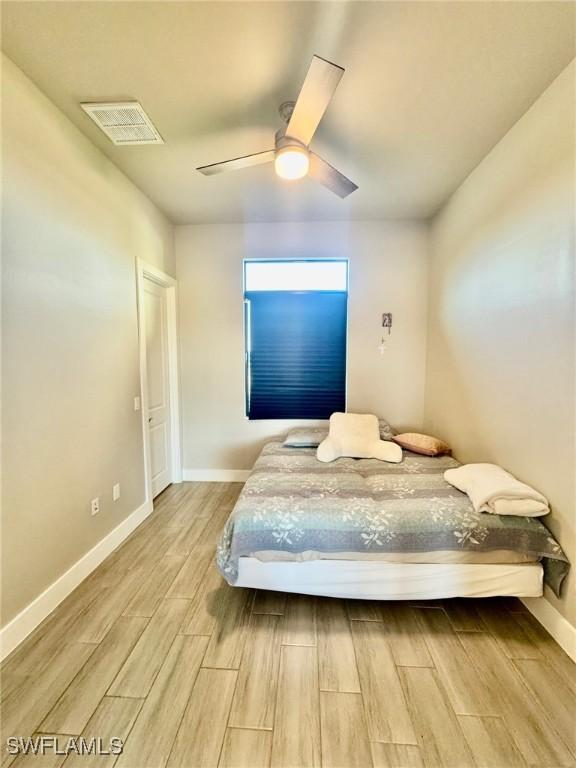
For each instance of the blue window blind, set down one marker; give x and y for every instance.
(295, 353)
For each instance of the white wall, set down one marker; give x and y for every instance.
(73, 226)
(500, 378)
(388, 273)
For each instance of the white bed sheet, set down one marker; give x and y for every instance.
(372, 580)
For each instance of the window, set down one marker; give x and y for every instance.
(295, 329)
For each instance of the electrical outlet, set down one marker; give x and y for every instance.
(136, 403)
(116, 492)
(95, 506)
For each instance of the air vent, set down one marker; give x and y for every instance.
(125, 123)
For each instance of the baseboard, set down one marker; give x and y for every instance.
(216, 475)
(35, 612)
(553, 621)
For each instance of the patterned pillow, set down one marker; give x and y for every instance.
(311, 437)
(305, 437)
(386, 431)
(424, 444)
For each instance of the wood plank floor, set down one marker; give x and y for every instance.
(156, 649)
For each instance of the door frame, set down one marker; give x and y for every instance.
(155, 275)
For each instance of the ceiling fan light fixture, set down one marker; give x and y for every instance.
(291, 163)
(291, 156)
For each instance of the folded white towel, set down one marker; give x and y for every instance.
(492, 489)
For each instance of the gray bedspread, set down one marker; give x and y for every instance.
(294, 503)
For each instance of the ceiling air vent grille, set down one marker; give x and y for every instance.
(124, 122)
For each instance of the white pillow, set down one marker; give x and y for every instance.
(356, 436)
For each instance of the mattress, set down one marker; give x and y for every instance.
(497, 556)
(302, 510)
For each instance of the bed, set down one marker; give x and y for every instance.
(363, 528)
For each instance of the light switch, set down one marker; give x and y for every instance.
(136, 403)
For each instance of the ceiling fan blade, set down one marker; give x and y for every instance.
(315, 95)
(335, 181)
(237, 163)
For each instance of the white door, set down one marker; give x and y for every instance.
(159, 422)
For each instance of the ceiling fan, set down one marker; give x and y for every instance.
(292, 157)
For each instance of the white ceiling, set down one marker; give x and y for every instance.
(429, 88)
